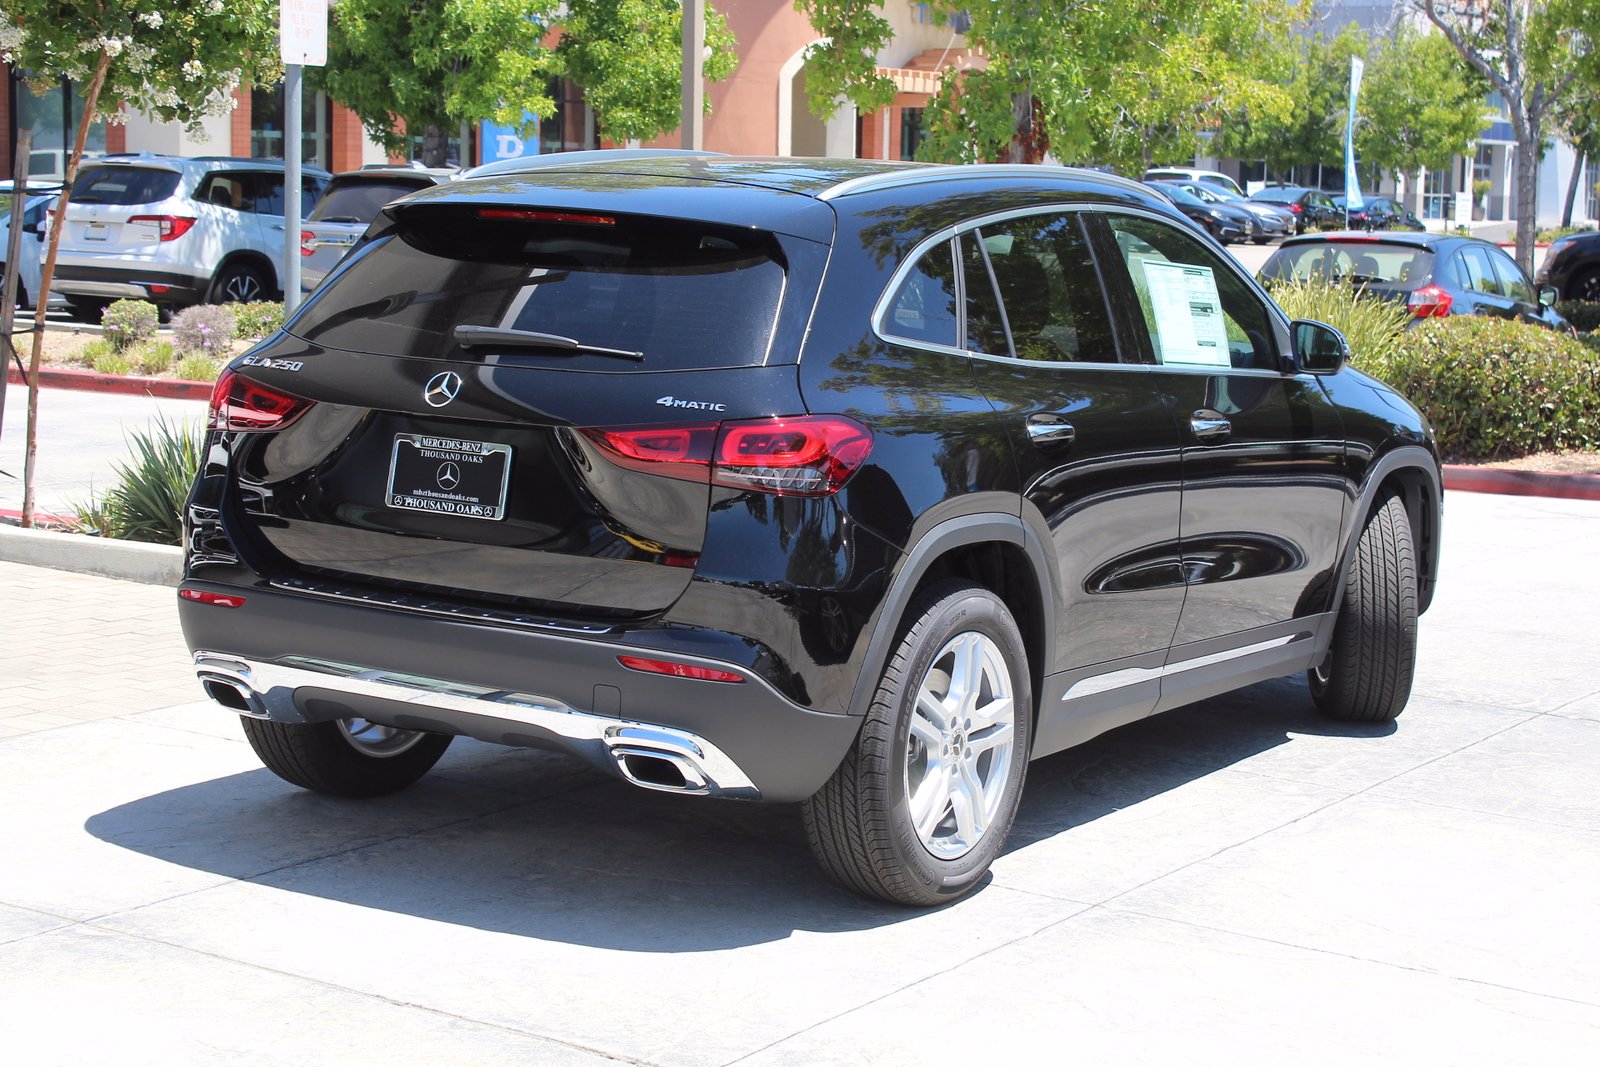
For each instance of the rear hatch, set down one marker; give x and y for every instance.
(417, 459)
(1392, 270)
(342, 215)
(110, 210)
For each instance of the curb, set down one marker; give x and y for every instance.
(132, 561)
(92, 382)
(1463, 479)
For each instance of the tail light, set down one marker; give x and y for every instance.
(1429, 302)
(806, 455)
(171, 227)
(1296, 208)
(241, 405)
(308, 243)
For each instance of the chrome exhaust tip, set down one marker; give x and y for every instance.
(668, 772)
(234, 695)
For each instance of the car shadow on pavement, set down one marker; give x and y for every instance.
(538, 845)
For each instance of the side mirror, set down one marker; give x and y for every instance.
(1548, 296)
(1318, 347)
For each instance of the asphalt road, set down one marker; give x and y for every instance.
(1239, 882)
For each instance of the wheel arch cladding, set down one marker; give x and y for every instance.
(997, 552)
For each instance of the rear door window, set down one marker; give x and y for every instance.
(1479, 271)
(123, 185)
(1049, 289)
(229, 190)
(986, 331)
(1513, 282)
(358, 200)
(686, 294)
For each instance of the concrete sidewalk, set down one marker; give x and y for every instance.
(1239, 882)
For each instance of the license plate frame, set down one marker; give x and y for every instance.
(448, 476)
(96, 231)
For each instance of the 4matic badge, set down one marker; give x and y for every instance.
(670, 401)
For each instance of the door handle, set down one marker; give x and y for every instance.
(277, 225)
(1050, 430)
(1209, 426)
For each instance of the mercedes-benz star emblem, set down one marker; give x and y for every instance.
(449, 476)
(442, 388)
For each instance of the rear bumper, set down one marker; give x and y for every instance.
(131, 282)
(294, 658)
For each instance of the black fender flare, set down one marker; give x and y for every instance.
(1405, 457)
(951, 534)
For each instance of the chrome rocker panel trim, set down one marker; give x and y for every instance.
(267, 691)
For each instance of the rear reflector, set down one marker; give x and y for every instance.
(803, 455)
(221, 600)
(170, 227)
(1430, 302)
(240, 405)
(527, 215)
(678, 670)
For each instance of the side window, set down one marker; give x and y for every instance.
(1049, 289)
(267, 193)
(1479, 271)
(986, 331)
(225, 190)
(1197, 311)
(924, 308)
(1513, 282)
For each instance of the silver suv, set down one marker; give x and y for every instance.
(176, 231)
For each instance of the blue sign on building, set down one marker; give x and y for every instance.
(503, 142)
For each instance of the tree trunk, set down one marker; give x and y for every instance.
(435, 146)
(1572, 189)
(1527, 196)
(1022, 122)
(47, 275)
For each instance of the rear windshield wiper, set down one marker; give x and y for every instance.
(500, 337)
(335, 218)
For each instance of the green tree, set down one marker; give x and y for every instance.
(1314, 73)
(433, 64)
(1121, 82)
(1420, 105)
(1531, 54)
(174, 60)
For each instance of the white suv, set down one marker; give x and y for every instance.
(176, 231)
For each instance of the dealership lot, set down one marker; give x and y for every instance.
(1230, 882)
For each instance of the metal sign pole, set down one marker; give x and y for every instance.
(694, 83)
(291, 187)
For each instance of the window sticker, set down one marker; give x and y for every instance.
(1186, 311)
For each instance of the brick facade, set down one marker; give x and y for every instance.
(239, 125)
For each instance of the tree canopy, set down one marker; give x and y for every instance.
(437, 63)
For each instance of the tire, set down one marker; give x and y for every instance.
(1260, 240)
(348, 758)
(85, 308)
(239, 283)
(1367, 674)
(1585, 286)
(863, 824)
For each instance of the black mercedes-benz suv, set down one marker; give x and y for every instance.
(851, 484)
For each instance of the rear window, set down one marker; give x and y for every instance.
(1277, 196)
(1357, 262)
(358, 199)
(686, 294)
(123, 185)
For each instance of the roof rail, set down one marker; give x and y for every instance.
(944, 172)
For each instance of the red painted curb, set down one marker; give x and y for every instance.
(38, 516)
(90, 381)
(1521, 483)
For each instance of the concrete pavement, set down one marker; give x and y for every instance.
(1234, 883)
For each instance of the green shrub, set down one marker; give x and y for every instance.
(257, 319)
(1583, 314)
(1592, 341)
(1495, 388)
(197, 369)
(127, 322)
(146, 503)
(154, 357)
(109, 362)
(94, 350)
(205, 329)
(1374, 327)
(1545, 236)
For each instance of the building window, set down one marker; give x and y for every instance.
(267, 125)
(53, 118)
(1436, 195)
(571, 128)
(912, 133)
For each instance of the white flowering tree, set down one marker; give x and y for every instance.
(174, 60)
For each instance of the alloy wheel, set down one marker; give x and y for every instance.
(960, 745)
(377, 740)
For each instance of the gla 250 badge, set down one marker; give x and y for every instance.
(272, 364)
